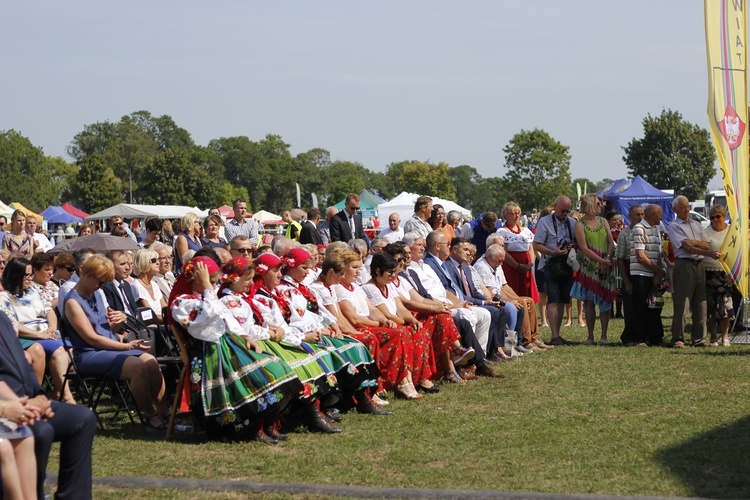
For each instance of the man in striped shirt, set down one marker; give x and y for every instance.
(646, 271)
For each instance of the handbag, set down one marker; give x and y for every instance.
(557, 268)
(136, 329)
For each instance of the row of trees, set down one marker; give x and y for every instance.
(151, 160)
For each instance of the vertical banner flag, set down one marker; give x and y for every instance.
(726, 24)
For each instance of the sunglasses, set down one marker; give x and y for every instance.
(401, 259)
(154, 260)
(2, 224)
(70, 269)
(564, 211)
(28, 275)
(717, 216)
(353, 208)
(243, 250)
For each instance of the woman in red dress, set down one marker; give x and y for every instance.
(519, 259)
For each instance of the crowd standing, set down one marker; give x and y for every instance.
(328, 317)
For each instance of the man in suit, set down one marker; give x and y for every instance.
(504, 315)
(491, 322)
(119, 295)
(73, 426)
(309, 232)
(347, 224)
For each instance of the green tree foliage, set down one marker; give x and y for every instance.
(96, 186)
(538, 168)
(27, 175)
(342, 178)
(176, 180)
(428, 179)
(130, 145)
(673, 154)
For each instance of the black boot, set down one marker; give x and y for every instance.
(272, 432)
(315, 420)
(366, 405)
(264, 438)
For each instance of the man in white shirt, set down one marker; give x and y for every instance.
(394, 232)
(490, 268)
(240, 225)
(476, 320)
(42, 242)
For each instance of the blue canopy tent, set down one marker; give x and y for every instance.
(56, 215)
(602, 193)
(640, 192)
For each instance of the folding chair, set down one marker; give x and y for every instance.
(90, 388)
(181, 381)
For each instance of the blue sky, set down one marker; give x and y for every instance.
(373, 82)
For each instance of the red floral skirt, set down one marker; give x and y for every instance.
(392, 353)
(443, 334)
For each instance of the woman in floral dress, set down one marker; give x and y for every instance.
(595, 281)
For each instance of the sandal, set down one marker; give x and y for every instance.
(453, 378)
(149, 425)
(726, 343)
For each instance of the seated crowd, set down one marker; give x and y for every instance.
(291, 333)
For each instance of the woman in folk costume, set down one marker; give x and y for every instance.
(317, 367)
(236, 388)
(304, 308)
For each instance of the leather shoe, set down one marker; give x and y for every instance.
(271, 432)
(466, 374)
(262, 437)
(486, 371)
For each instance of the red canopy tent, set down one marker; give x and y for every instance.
(226, 211)
(74, 211)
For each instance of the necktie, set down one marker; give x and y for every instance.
(124, 298)
(464, 283)
(351, 226)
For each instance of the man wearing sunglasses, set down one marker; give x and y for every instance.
(554, 238)
(347, 224)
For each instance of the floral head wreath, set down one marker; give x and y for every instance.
(264, 263)
(234, 269)
(210, 264)
(296, 257)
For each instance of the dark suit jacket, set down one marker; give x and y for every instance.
(448, 284)
(413, 278)
(450, 266)
(113, 297)
(310, 234)
(14, 369)
(340, 230)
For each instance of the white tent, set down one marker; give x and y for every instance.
(265, 217)
(403, 205)
(128, 211)
(5, 210)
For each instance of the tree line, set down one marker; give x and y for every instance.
(151, 160)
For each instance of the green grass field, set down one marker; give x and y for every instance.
(578, 419)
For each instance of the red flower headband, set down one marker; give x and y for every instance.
(234, 269)
(189, 267)
(264, 263)
(296, 257)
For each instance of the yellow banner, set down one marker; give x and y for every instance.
(726, 24)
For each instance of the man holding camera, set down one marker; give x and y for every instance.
(554, 239)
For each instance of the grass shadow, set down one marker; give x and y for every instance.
(715, 464)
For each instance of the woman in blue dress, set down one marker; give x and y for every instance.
(99, 351)
(188, 239)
